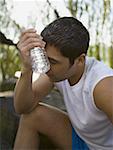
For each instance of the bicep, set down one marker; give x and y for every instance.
(42, 86)
(103, 96)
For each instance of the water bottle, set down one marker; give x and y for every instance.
(40, 62)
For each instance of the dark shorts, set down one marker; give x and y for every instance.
(77, 142)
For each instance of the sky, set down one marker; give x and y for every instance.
(24, 11)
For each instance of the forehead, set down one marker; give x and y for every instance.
(55, 54)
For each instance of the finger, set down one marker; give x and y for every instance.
(28, 47)
(31, 30)
(34, 40)
(30, 35)
(30, 40)
(27, 31)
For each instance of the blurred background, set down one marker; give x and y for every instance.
(15, 15)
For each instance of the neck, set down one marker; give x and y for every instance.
(76, 77)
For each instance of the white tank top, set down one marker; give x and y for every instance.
(91, 124)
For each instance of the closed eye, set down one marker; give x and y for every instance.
(53, 61)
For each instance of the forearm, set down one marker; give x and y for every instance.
(23, 97)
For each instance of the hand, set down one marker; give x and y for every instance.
(28, 40)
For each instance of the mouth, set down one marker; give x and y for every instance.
(49, 75)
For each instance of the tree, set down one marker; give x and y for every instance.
(99, 17)
(9, 60)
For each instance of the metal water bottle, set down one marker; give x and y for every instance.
(40, 62)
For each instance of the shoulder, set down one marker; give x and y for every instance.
(96, 71)
(103, 96)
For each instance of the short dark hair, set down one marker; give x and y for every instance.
(69, 35)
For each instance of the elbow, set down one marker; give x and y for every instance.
(23, 109)
(20, 109)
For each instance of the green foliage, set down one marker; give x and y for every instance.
(102, 52)
(97, 51)
(110, 55)
(98, 18)
(9, 62)
(99, 21)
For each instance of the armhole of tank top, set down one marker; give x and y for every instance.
(92, 90)
(58, 86)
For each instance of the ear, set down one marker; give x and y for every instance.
(81, 58)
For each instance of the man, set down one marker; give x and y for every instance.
(86, 84)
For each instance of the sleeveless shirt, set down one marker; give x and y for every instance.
(90, 123)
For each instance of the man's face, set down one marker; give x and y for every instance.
(60, 65)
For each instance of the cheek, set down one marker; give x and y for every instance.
(59, 70)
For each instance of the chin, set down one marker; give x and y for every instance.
(55, 79)
(58, 80)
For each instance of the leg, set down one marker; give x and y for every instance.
(47, 120)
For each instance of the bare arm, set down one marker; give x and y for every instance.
(103, 96)
(28, 95)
